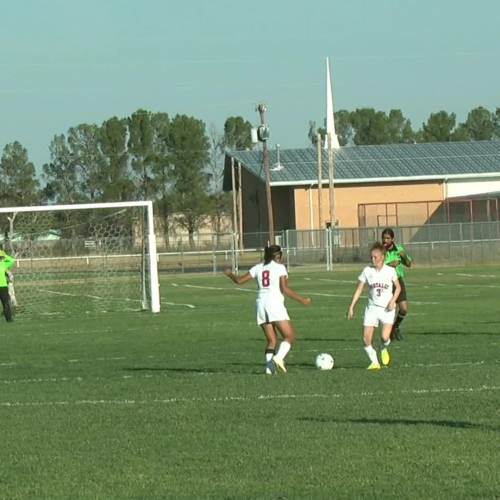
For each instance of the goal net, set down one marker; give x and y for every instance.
(81, 258)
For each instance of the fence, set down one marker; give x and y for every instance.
(436, 244)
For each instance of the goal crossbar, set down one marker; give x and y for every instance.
(151, 236)
(79, 206)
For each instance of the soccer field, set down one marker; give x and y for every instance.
(176, 405)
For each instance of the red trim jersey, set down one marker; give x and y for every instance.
(380, 284)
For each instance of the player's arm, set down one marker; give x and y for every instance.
(239, 280)
(286, 290)
(7, 259)
(394, 263)
(405, 258)
(355, 298)
(395, 295)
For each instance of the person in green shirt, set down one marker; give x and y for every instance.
(5, 262)
(397, 257)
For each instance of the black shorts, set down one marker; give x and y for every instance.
(402, 295)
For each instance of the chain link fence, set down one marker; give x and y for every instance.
(436, 244)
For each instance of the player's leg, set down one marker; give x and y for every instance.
(370, 322)
(370, 351)
(387, 320)
(385, 342)
(402, 311)
(285, 327)
(4, 297)
(272, 342)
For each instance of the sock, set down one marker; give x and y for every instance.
(400, 318)
(283, 349)
(384, 344)
(372, 354)
(269, 355)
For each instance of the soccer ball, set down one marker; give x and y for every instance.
(324, 362)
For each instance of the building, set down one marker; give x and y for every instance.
(401, 184)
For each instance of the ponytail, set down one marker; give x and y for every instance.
(270, 252)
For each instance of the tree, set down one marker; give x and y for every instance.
(313, 134)
(219, 202)
(439, 127)
(84, 142)
(147, 145)
(343, 125)
(61, 173)
(113, 141)
(370, 126)
(18, 183)
(343, 128)
(461, 133)
(496, 120)
(399, 129)
(237, 133)
(217, 146)
(189, 155)
(480, 125)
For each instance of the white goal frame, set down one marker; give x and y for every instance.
(152, 254)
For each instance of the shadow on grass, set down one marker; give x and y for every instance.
(201, 371)
(307, 339)
(169, 369)
(454, 333)
(452, 424)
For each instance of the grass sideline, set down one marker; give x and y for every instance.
(176, 406)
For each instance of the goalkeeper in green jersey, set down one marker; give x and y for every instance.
(397, 257)
(5, 262)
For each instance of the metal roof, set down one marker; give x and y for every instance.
(378, 163)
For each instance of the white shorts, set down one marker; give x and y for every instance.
(269, 311)
(376, 314)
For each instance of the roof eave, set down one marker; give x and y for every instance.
(373, 180)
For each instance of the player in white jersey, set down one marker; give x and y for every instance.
(384, 289)
(272, 285)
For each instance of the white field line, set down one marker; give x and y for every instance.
(191, 306)
(417, 285)
(69, 294)
(315, 294)
(160, 376)
(426, 287)
(477, 275)
(262, 397)
(416, 303)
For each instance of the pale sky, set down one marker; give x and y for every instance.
(66, 62)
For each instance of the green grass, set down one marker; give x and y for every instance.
(175, 405)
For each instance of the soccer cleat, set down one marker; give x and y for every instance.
(374, 366)
(270, 370)
(280, 364)
(397, 333)
(385, 356)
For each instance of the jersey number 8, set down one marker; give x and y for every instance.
(265, 279)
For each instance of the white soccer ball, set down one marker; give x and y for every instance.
(324, 362)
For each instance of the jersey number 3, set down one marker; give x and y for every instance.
(265, 279)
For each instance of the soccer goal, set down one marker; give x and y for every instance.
(82, 258)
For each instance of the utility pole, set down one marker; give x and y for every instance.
(240, 206)
(235, 203)
(320, 182)
(330, 178)
(261, 108)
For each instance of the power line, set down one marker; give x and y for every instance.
(274, 62)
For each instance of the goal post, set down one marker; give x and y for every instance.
(90, 256)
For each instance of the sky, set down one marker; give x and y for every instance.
(66, 62)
